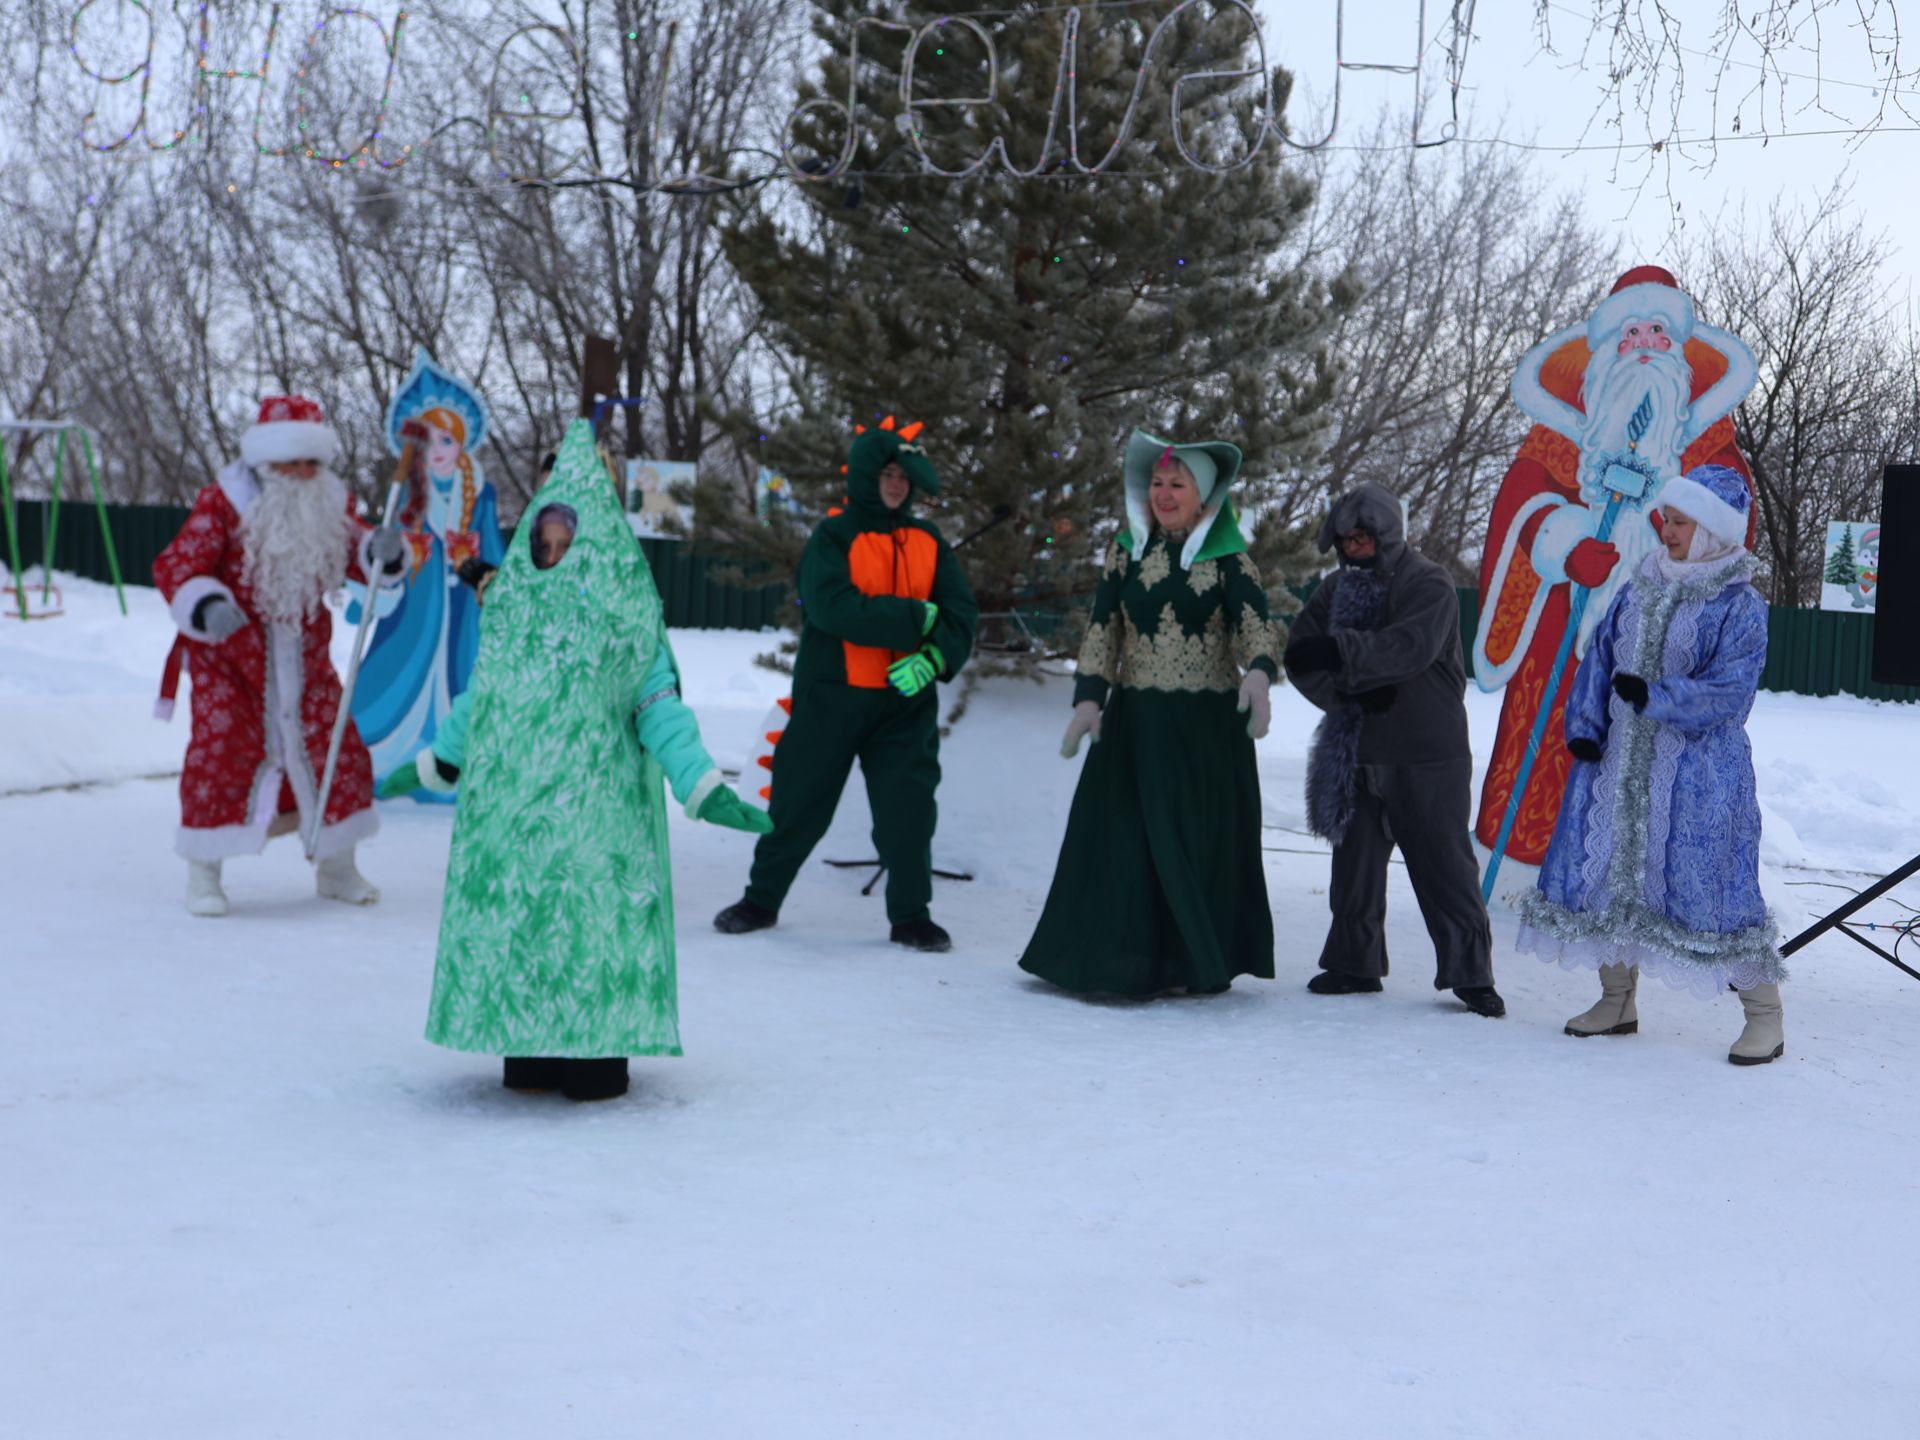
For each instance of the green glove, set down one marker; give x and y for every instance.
(403, 781)
(723, 807)
(913, 674)
(932, 615)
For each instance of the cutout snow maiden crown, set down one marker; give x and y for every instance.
(429, 387)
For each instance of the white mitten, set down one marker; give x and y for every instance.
(1255, 703)
(427, 766)
(1086, 721)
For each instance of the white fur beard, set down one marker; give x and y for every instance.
(297, 536)
(1612, 391)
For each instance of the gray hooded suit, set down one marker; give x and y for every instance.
(1397, 770)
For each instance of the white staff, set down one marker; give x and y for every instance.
(353, 675)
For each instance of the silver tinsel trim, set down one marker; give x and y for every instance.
(1625, 929)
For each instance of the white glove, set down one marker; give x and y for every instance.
(1086, 721)
(1254, 698)
(219, 617)
(427, 766)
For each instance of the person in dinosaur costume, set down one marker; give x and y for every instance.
(556, 936)
(885, 611)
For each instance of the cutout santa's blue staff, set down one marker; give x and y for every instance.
(1628, 477)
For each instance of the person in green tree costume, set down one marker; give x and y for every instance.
(1160, 884)
(556, 937)
(885, 611)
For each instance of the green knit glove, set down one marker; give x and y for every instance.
(723, 807)
(927, 621)
(913, 674)
(403, 781)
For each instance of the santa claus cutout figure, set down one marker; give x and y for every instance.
(246, 580)
(1622, 403)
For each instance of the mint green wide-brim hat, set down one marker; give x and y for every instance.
(1215, 465)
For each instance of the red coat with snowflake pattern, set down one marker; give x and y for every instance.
(264, 699)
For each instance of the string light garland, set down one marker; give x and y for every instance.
(206, 70)
(501, 118)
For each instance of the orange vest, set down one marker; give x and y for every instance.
(899, 562)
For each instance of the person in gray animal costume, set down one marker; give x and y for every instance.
(1378, 649)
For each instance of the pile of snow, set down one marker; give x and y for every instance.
(903, 1195)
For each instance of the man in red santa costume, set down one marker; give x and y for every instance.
(1642, 384)
(246, 579)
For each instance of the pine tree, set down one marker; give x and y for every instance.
(1032, 323)
(1842, 566)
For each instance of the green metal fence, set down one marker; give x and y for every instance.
(1809, 652)
(140, 533)
(692, 597)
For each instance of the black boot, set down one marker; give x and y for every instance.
(744, 916)
(921, 934)
(595, 1079)
(1335, 982)
(526, 1073)
(1481, 1000)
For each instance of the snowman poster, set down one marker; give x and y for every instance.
(1850, 577)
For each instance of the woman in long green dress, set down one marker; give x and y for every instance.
(1160, 884)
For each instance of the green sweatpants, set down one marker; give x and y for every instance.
(897, 742)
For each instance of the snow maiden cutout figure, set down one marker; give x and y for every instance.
(556, 934)
(428, 633)
(1655, 860)
(1621, 403)
(1161, 884)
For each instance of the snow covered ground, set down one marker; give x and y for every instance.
(893, 1195)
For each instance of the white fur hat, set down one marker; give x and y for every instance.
(1645, 292)
(289, 427)
(1714, 497)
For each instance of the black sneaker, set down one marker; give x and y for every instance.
(1481, 1000)
(1333, 982)
(595, 1079)
(922, 934)
(744, 916)
(530, 1073)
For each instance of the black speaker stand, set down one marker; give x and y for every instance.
(1837, 920)
(879, 868)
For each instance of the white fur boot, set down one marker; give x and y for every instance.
(204, 895)
(1615, 1013)
(1763, 1039)
(335, 878)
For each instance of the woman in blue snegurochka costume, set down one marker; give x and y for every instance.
(428, 632)
(1655, 859)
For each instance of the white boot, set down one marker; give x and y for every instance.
(335, 878)
(1763, 1039)
(1614, 1015)
(204, 895)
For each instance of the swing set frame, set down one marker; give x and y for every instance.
(61, 430)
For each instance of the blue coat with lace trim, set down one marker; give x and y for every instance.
(1655, 859)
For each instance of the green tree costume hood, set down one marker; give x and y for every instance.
(556, 937)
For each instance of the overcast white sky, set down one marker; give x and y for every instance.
(1512, 87)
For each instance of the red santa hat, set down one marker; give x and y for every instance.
(290, 427)
(1645, 292)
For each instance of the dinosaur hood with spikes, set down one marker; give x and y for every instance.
(873, 449)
